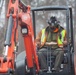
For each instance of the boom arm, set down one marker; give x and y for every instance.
(27, 31)
(8, 61)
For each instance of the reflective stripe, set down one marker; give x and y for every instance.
(43, 36)
(60, 41)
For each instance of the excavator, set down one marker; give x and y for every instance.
(27, 63)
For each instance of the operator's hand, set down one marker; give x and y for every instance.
(38, 44)
(64, 42)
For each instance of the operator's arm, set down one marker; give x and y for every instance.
(40, 43)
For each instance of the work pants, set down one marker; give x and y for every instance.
(42, 55)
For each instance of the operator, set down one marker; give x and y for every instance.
(54, 36)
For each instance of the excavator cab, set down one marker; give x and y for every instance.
(67, 66)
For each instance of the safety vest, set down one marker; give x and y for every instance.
(59, 41)
(43, 38)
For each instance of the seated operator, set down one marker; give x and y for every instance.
(54, 36)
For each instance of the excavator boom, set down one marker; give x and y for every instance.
(7, 62)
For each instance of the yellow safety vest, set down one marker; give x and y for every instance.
(43, 38)
(60, 41)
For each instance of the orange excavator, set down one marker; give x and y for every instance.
(26, 63)
(8, 61)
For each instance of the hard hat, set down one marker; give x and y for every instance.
(53, 21)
